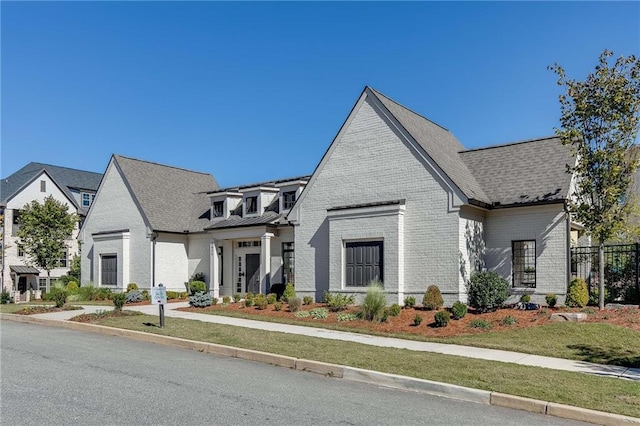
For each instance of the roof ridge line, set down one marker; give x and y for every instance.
(160, 164)
(376, 92)
(63, 167)
(273, 181)
(509, 144)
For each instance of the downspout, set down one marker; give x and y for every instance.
(154, 236)
(568, 251)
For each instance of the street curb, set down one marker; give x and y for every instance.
(350, 373)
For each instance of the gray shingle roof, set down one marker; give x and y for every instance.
(172, 199)
(526, 172)
(235, 221)
(65, 177)
(439, 144)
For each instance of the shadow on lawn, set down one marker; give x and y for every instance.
(598, 355)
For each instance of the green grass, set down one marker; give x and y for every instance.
(591, 342)
(577, 389)
(14, 307)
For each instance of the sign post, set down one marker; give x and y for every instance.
(159, 297)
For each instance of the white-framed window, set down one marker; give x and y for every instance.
(86, 199)
(42, 284)
(218, 208)
(364, 262)
(20, 250)
(43, 186)
(252, 205)
(109, 270)
(288, 199)
(63, 262)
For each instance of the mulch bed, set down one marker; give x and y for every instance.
(404, 323)
(32, 310)
(89, 318)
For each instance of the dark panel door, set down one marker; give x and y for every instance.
(253, 273)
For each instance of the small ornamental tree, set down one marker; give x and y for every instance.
(44, 231)
(599, 121)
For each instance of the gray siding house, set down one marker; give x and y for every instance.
(398, 198)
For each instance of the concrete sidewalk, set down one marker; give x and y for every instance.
(389, 342)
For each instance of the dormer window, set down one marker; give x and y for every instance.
(252, 205)
(218, 208)
(288, 199)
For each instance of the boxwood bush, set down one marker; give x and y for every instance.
(577, 294)
(487, 291)
(432, 299)
(442, 318)
(458, 310)
(197, 287)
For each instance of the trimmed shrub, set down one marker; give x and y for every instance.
(132, 286)
(417, 320)
(409, 302)
(442, 318)
(307, 300)
(261, 302)
(372, 307)
(197, 287)
(343, 317)
(72, 287)
(487, 291)
(59, 296)
(226, 299)
(551, 300)
(119, 300)
(134, 296)
(458, 310)
(432, 299)
(289, 292)
(525, 298)
(145, 295)
(249, 296)
(480, 323)
(271, 298)
(183, 295)
(172, 295)
(5, 297)
(508, 320)
(294, 304)
(200, 300)
(237, 297)
(319, 313)
(277, 306)
(249, 302)
(214, 300)
(338, 301)
(394, 310)
(577, 294)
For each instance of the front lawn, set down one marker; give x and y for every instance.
(583, 390)
(608, 337)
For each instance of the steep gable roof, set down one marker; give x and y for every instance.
(64, 177)
(527, 172)
(439, 144)
(171, 199)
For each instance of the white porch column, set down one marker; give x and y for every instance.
(265, 262)
(214, 268)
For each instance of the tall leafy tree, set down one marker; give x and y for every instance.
(44, 231)
(599, 120)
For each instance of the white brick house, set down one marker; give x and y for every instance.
(37, 181)
(397, 197)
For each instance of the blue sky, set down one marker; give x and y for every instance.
(257, 91)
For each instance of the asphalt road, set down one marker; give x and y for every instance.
(54, 376)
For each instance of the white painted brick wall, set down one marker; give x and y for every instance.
(114, 209)
(546, 225)
(368, 164)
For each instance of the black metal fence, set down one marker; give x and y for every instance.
(621, 271)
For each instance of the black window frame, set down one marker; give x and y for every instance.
(288, 200)
(288, 255)
(215, 211)
(253, 203)
(350, 278)
(112, 274)
(524, 267)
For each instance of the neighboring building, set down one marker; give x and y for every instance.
(146, 226)
(398, 198)
(36, 181)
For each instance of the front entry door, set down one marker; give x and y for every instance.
(253, 273)
(22, 284)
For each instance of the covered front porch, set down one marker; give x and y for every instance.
(25, 281)
(250, 259)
